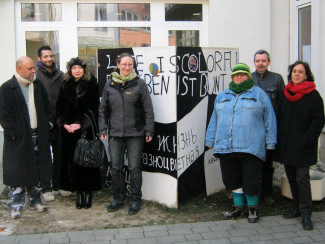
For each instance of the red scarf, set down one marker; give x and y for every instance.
(299, 90)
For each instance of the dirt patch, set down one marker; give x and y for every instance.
(63, 215)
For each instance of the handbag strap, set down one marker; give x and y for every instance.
(92, 117)
(95, 135)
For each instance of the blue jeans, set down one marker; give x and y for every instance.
(134, 146)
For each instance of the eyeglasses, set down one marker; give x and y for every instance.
(126, 65)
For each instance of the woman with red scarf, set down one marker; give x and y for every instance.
(301, 119)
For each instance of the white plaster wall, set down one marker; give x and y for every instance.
(7, 40)
(280, 37)
(7, 44)
(240, 24)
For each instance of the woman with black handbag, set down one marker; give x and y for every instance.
(79, 94)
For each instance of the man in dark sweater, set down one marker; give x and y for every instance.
(51, 78)
(273, 84)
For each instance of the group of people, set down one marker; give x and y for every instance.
(256, 119)
(259, 118)
(43, 114)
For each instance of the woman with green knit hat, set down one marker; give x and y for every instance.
(241, 128)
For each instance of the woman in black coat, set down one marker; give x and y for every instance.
(301, 119)
(78, 94)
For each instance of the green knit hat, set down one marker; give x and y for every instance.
(241, 68)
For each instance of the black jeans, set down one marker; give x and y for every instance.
(267, 174)
(299, 181)
(241, 170)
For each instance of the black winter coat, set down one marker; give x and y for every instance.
(299, 126)
(75, 99)
(19, 161)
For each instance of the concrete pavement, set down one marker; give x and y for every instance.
(273, 229)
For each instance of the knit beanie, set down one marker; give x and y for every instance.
(241, 68)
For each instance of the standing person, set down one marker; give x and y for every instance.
(301, 119)
(242, 127)
(126, 116)
(78, 95)
(273, 84)
(25, 117)
(51, 78)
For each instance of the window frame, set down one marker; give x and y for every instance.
(68, 27)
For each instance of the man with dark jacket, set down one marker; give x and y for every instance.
(51, 78)
(25, 117)
(273, 84)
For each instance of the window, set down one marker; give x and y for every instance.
(183, 12)
(89, 40)
(184, 38)
(38, 12)
(36, 39)
(114, 12)
(304, 32)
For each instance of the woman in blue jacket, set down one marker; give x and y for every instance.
(242, 127)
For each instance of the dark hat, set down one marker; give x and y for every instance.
(77, 61)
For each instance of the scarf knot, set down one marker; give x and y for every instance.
(295, 92)
(241, 87)
(31, 101)
(116, 77)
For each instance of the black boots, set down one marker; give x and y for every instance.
(292, 214)
(80, 199)
(88, 199)
(84, 199)
(234, 213)
(306, 223)
(253, 214)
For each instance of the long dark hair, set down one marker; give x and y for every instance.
(309, 74)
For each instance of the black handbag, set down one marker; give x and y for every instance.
(90, 153)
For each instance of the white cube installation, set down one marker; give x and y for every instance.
(183, 83)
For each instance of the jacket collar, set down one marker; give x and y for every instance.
(250, 90)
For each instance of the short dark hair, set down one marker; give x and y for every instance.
(262, 51)
(43, 48)
(310, 76)
(123, 55)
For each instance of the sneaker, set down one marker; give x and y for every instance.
(47, 196)
(64, 193)
(114, 206)
(15, 214)
(253, 215)
(40, 208)
(234, 213)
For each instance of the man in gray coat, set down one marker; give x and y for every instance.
(25, 117)
(52, 78)
(273, 84)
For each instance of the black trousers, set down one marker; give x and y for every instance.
(299, 181)
(241, 170)
(267, 174)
